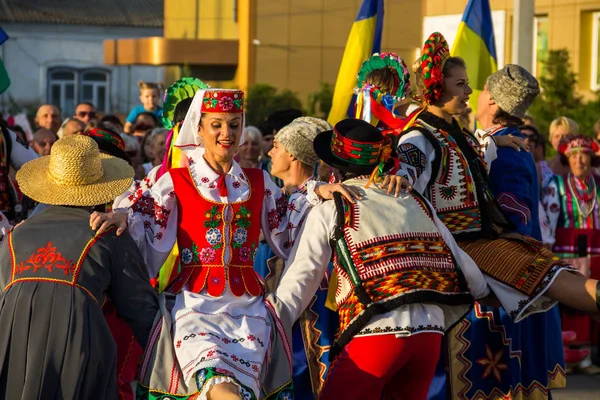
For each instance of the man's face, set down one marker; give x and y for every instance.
(43, 140)
(267, 143)
(85, 113)
(281, 160)
(48, 117)
(73, 127)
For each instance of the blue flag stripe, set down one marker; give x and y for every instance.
(477, 17)
(378, 28)
(368, 9)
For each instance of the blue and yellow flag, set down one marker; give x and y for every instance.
(364, 40)
(4, 79)
(475, 43)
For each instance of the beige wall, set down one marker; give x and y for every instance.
(302, 41)
(570, 27)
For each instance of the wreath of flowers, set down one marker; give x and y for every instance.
(380, 61)
(184, 88)
(435, 53)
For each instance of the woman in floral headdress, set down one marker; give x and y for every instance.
(450, 168)
(572, 205)
(382, 92)
(224, 332)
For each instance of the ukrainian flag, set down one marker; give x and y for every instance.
(4, 79)
(363, 41)
(475, 43)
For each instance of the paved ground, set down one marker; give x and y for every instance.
(579, 387)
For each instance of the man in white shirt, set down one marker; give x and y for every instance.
(399, 284)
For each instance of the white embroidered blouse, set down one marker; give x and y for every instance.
(152, 219)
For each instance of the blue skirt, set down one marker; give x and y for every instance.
(488, 356)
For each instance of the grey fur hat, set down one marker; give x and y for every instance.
(513, 89)
(297, 138)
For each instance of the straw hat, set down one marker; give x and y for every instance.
(75, 174)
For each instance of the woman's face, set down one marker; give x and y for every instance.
(455, 97)
(580, 164)
(559, 133)
(252, 149)
(158, 148)
(221, 134)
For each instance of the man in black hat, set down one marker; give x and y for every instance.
(399, 284)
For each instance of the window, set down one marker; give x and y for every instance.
(541, 29)
(595, 51)
(68, 87)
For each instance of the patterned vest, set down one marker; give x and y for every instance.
(204, 233)
(386, 260)
(458, 185)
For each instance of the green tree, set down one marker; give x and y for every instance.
(559, 96)
(264, 99)
(319, 102)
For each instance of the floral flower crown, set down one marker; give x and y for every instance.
(385, 60)
(434, 56)
(578, 144)
(223, 101)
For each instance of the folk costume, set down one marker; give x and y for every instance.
(215, 324)
(402, 281)
(450, 167)
(313, 333)
(375, 105)
(55, 342)
(572, 207)
(184, 88)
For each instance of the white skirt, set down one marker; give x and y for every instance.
(228, 333)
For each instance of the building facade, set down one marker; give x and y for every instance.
(55, 52)
(289, 44)
(559, 24)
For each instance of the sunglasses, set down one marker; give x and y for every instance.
(82, 114)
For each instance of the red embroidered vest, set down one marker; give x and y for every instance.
(204, 233)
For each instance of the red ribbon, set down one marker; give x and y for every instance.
(221, 185)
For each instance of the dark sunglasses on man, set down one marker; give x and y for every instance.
(83, 114)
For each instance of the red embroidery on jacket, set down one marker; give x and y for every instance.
(48, 258)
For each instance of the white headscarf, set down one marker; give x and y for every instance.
(188, 139)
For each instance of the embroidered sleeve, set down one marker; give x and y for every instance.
(510, 204)
(152, 220)
(308, 260)
(416, 156)
(297, 209)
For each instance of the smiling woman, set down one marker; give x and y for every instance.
(215, 211)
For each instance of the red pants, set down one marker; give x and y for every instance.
(372, 366)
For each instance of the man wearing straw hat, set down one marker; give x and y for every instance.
(56, 273)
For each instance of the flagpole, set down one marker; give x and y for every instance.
(522, 40)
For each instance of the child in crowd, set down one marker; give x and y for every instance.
(149, 97)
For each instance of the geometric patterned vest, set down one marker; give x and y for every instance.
(204, 234)
(457, 188)
(386, 259)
